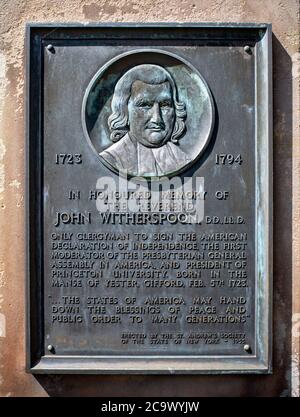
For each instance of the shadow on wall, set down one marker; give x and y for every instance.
(277, 384)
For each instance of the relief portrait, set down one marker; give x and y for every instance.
(147, 119)
(146, 123)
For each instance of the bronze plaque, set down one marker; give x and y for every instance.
(149, 198)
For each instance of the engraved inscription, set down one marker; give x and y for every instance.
(176, 261)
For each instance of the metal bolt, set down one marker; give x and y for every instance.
(51, 348)
(247, 348)
(50, 48)
(247, 49)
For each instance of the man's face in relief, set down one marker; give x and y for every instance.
(151, 113)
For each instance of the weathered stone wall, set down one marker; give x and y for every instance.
(284, 15)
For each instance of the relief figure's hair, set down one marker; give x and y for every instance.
(149, 74)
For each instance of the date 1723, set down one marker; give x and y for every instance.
(68, 158)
